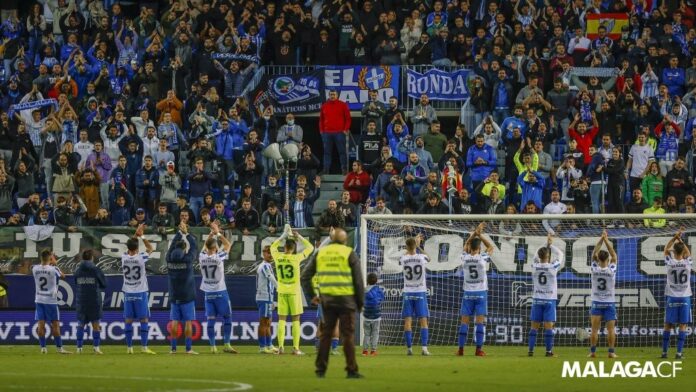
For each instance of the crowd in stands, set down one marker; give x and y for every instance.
(120, 113)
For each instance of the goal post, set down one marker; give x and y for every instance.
(639, 241)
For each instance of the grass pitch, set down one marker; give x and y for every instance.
(504, 369)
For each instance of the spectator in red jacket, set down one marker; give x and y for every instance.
(585, 137)
(357, 183)
(334, 125)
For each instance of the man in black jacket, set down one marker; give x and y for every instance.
(90, 282)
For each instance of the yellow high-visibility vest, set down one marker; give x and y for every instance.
(333, 270)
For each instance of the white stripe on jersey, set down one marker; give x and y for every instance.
(134, 273)
(46, 281)
(678, 277)
(544, 275)
(265, 282)
(603, 283)
(414, 273)
(213, 271)
(474, 267)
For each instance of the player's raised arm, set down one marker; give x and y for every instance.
(687, 252)
(275, 246)
(472, 235)
(308, 247)
(485, 241)
(139, 233)
(597, 249)
(668, 247)
(610, 247)
(215, 230)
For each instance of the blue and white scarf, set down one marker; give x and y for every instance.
(31, 105)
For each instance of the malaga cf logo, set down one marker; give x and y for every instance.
(283, 85)
(374, 78)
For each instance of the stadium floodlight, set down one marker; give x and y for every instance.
(285, 159)
(273, 152)
(639, 241)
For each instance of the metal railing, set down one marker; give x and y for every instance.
(406, 102)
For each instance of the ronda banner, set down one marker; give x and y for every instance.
(18, 253)
(439, 85)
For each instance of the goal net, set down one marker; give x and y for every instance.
(640, 280)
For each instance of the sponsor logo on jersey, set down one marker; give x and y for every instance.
(582, 297)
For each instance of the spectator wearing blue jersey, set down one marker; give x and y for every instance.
(200, 182)
(182, 286)
(481, 159)
(372, 314)
(674, 77)
(90, 283)
(170, 131)
(502, 98)
(414, 175)
(397, 130)
(512, 122)
(121, 206)
(532, 184)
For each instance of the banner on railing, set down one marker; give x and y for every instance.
(18, 252)
(294, 93)
(438, 85)
(354, 82)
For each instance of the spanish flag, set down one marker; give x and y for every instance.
(613, 23)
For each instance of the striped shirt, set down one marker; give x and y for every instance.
(265, 282)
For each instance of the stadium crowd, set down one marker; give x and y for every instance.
(122, 113)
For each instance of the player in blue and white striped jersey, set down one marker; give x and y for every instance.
(135, 289)
(46, 277)
(475, 299)
(266, 284)
(547, 262)
(603, 308)
(678, 292)
(217, 300)
(415, 294)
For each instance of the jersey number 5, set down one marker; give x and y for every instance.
(473, 272)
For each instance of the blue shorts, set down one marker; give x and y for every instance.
(543, 310)
(217, 304)
(135, 306)
(678, 310)
(183, 312)
(265, 309)
(46, 312)
(415, 305)
(605, 309)
(474, 303)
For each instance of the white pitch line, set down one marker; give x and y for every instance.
(237, 386)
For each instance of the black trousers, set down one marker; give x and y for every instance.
(333, 314)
